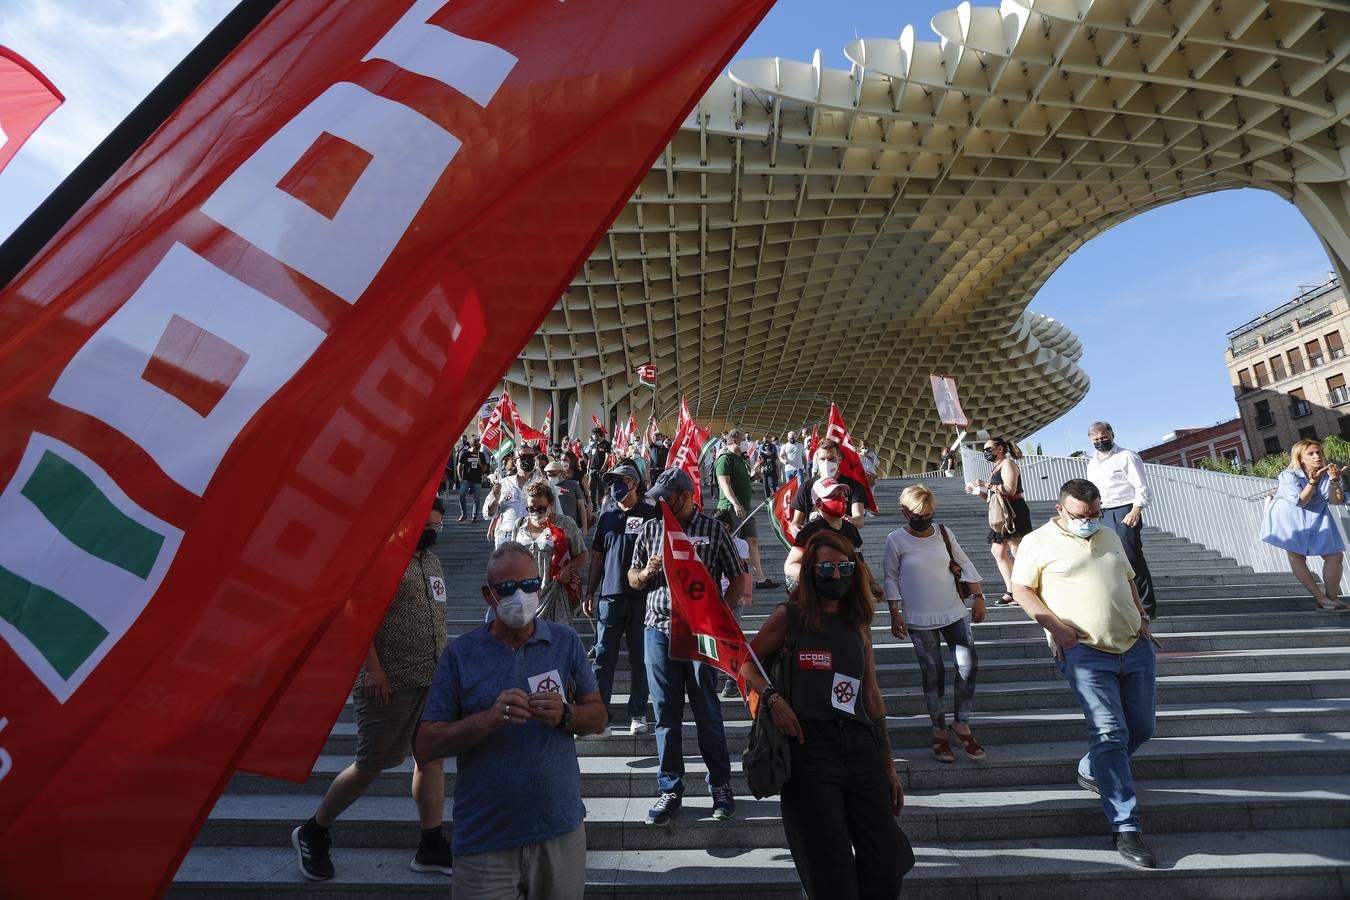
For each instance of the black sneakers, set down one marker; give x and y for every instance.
(724, 803)
(665, 806)
(433, 854)
(311, 844)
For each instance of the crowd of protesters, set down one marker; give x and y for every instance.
(578, 535)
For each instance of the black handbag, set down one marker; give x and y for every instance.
(962, 588)
(767, 760)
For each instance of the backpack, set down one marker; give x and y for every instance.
(767, 760)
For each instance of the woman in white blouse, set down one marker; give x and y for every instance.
(918, 568)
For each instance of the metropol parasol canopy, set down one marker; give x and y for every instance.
(814, 234)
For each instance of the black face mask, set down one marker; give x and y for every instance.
(1104, 445)
(989, 455)
(525, 464)
(920, 523)
(831, 588)
(427, 539)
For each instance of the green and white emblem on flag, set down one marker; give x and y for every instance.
(707, 645)
(78, 565)
(505, 447)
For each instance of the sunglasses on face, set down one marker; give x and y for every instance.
(540, 509)
(827, 569)
(507, 588)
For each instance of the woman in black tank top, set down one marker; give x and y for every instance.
(840, 802)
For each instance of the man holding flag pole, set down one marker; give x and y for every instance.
(679, 559)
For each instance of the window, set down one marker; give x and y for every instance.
(1336, 388)
(1263, 417)
(1295, 361)
(1335, 349)
(1259, 370)
(1307, 434)
(1314, 351)
(1344, 424)
(1232, 455)
(1298, 404)
(1277, 368)
(1272, 446)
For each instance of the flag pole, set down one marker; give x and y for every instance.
(748, 515)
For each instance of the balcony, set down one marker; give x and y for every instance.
(1340, 396)
(1315, 360)
(1337, 352)
(1278, 333)
(1246, 348)
(1300, 408)
(1266, 420)
(1317, 316)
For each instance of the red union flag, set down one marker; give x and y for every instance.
(782, 512)
(948, 403)
(229, 372)
(702, 626)
(647, 375)
(849, 463)
(684, 414)
(685, 452)
(598, 424)
(26, 100)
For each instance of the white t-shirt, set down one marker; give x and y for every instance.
(792, 455)
(916, 574)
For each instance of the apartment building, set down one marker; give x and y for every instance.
(1289, 370)
(1187, 446)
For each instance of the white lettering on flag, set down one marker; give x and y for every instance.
(474, 68)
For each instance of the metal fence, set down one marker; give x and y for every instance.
(1221, 512)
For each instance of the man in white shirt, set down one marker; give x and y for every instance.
(793, 457)
(1119, 476)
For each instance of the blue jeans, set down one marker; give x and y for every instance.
(467, 487)
(789, 474)
(670, 680)
(1118, 695)
(619, 619)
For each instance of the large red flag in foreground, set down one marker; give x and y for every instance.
(26, 100)
(849, 464)
(227, 378)
(702, 626)
(685, 452)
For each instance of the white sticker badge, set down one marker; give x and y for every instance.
(844, 693)
(437, 585)
(548, 681)
(633, 524)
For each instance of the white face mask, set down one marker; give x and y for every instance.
(554, 480)
(828, 468)
(517, 610)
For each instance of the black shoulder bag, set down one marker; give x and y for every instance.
(767, 760)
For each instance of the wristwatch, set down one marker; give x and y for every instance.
(566, 721)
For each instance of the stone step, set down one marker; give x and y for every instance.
(1056, 810)
(1012, 727)
(1015, 765)
(1235, 663)
(1231, 865)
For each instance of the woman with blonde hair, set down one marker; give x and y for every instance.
(840, 802)
(921, 565)
(1006, 479)
(1298, 521)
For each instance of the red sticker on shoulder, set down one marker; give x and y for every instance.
(815, 659)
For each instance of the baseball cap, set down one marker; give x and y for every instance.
(621, 472)
(671, 481)
(826, 487)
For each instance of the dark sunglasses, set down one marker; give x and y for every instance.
(827, 569)
(542, 509)
(507, 588)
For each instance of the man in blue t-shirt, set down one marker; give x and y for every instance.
(622, 608)
(506, 700)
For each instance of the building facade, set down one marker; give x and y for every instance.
(1289, 370)
(1187, 446)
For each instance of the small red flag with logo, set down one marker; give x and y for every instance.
(782, 512)
(685, 453)
(702, 627)
(849, 463)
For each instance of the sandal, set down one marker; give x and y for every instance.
(1005, 600)
(942, 750)
(1332, 604)
(969, 744)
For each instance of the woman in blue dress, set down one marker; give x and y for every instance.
(1299, 522)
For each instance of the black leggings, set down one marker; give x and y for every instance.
(836, 809)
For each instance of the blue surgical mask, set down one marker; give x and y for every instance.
(1082, 528)
(618, 490)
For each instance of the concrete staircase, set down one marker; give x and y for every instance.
(1245, 790)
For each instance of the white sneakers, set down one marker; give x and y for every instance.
(638, 725)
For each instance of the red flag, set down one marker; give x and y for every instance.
(685, 453)
(781, 508)
(815, 440)
(576, 448)
(492, 429)
(247, 350)
(548, 423)
(684, 414)
(702, 627)
(524, 430)
(849, 464)
(26, 100)
(598, 424)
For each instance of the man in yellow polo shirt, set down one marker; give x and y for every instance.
(1073, 578)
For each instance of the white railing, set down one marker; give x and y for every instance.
(931, 473)
(1219, 511)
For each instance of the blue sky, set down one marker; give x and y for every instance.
(1151, 299)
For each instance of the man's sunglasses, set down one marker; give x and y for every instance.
(540, 509)
(507, 588)
(827, 569)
